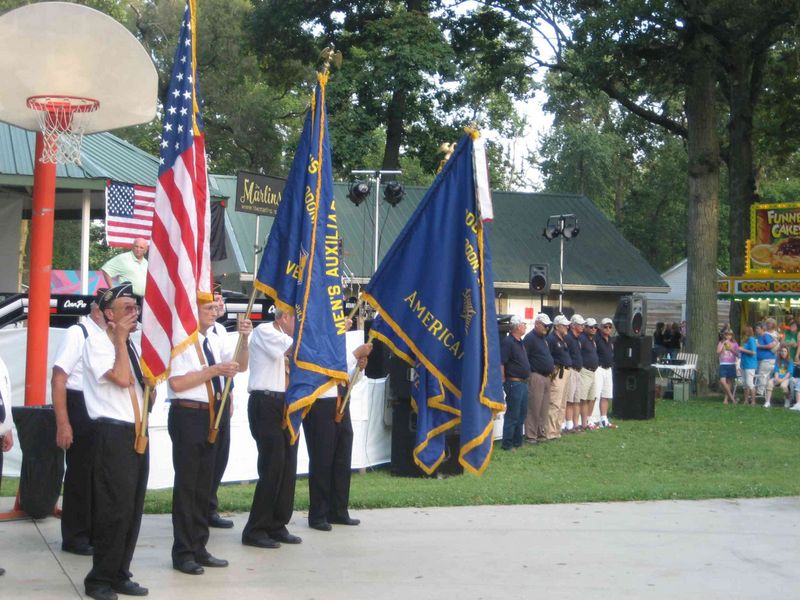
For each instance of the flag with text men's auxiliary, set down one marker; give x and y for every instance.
(435, 290)
(300, 268)
(179, 261)
(436, 407)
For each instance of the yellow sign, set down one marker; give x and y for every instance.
(774, 244)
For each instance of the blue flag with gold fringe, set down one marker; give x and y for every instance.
(300, 267)
(435, 291)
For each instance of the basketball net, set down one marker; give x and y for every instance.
(63, 120)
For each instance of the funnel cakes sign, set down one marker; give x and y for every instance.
(774, 244)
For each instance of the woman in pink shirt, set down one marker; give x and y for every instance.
(728, 352)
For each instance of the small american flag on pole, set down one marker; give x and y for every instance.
(129, 213)
(179, 269)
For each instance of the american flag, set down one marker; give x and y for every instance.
(129, 213)
(179, 269)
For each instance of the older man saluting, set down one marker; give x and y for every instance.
(128, 267)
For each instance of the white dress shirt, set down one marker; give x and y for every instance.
(104, 398)
(267, 346)
(69, 357)
(353, 340)
(188, 361)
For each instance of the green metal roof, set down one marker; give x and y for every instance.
(599, 258)
(103, 156)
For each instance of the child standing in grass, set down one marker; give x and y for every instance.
(728, 352)
(781, 375)
(749, 364)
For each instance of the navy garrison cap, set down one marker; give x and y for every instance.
(123, 290)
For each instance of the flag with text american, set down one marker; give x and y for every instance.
(435, 290)
(300, 268)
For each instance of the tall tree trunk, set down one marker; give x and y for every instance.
(744, 72)
(703, 213)
(395, 113)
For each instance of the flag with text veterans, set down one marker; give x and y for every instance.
(129, 213)
(435, 290)
(300, 267)
(179, 262)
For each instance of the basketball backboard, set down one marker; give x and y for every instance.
(63, 49)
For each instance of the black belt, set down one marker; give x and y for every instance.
(190, 404)
(516, 378)
(542, 374)
(269, 394)
(120, 423)
(590, 369)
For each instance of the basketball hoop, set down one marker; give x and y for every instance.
(63, 120)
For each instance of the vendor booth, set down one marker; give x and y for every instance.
(770, 286)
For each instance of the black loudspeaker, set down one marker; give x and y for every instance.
(634, 394)
(404, 437)
(378, 363)
(401, 376)
(631, 315)
(633, 352)
(539, 280)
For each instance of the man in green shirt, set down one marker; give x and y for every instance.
(128, 267)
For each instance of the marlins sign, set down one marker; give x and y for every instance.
(258, 194)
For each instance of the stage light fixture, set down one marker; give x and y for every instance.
(359, 191)
(394, 192)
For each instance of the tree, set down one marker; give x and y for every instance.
(414, 73)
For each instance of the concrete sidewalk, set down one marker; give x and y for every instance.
(705, 549)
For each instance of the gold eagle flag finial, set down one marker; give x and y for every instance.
(447, 149)
(328, 56)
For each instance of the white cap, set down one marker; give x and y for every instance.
(516, 320)
(606, 321)
(577, 319)
(543, 318)
(590, 322)
(561, 320)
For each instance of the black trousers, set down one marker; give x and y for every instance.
(222, 449)
(119, 483)
(76, 506)
(273, 501)
(193, 461)
(330, 449)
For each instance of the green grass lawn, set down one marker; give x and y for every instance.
(691, 450)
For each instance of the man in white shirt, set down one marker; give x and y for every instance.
(330, 446)
(224, 435)
(130, 267)
(197, 379)
(113, 387)
(74, 431)
(273, 500)
(6, 437)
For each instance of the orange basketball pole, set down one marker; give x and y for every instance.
(42, 223)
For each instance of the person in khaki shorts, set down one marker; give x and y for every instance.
(573, 396)
(542, 368)
(556, 341)
(588, 373)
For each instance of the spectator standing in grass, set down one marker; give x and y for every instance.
(6, 437)
(515, 369)
(766, 346)
(542, 373)
(781, 376)
(790, 337)
(728, 352)
(749, 364)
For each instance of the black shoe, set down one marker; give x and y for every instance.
(130, 588)
(320, 525)
(216, 521)
(345, 521)
(79, 549)
(262, 542)
(102, 594)
(2, 571)
(285, 538)
(189, 567)
(211, 561)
